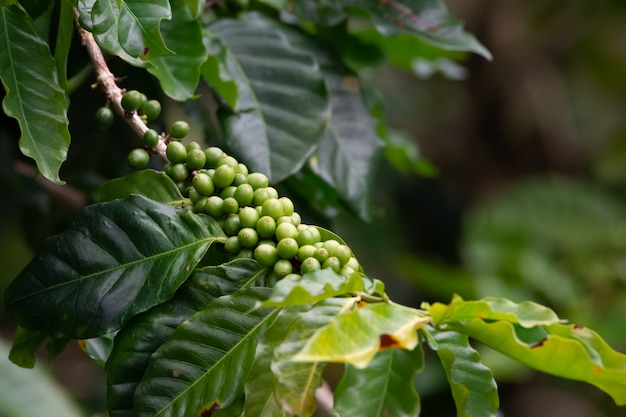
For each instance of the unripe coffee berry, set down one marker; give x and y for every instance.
(310, 265)
(285, 230)
(243, 194)
(287, 248)
(272, 207)
(306, 251)
(242, 169)
(266, 227)
(151, 109)
(282, 268)
(232, 245)
(260, 195)
(332, 263)
(179, 129)
(213, 156)
(132, 100)
(195, 159)
(150, 138)
(104, 117)
(228, 160)
(248, 237)
(228, 192)
(230, 206)
(342, 252)
(203, 184)
(138, 158)
(239, 179)
(176, 152)
(287, 206)
(179, 172)
(214, 206)
(232, 224)
(308, 236)
(248, 216)
(266, 255)
(194, 146)
(330, 244)
(223, 176)
(258, 180)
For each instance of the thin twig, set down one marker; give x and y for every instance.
(106, 80)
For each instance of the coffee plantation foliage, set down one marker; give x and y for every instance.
(195, 280)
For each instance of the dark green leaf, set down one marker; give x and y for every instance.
(384, 388)
(104, 26)
(98, 348)
(207, 358)
(85, 9)
(155, 185)
(473, 388)
(282, 106)
(179, 74)
(64, 40)
(146, 332)
(34, 97)
(139, 31)
(118, 259)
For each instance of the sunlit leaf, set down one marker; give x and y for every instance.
(219, 68)
(384, 387)
(282, 105)
(33, 95)
(118, 259)
(179, 74)
(355, 337)
(473, 388)
(312, 287)
(207, 359)
(146, 332)
(155, 185)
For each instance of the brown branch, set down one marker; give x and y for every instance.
(106, 80)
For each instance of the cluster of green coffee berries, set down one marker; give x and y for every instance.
(259, 224)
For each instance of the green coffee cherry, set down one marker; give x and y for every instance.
(321, 254)
(330, 244)
(249, 217)
(308, 235)
(223, 176)
(194, 196)
(248, 237)
(341, 252)
(132, 100)
(195, 159)
(287, 248)
(213, 156)
(215, 207)
(306, 251)
(176, 152)
(179, 129)
(203, 184)
(151, 109)
(287, 204)
(272, 207)
(232, 224)
(353, 263)
(138, 158)
(243, 194)
(228, 160)
(232, 245)
(266, 255)
(194, 146)
(104, 117)
(332, 263)
(179, 172)
(260, 195)
(242, 169)
(282, 268)
(266, 227)
(230, 206)
(245, 253)
(346, 271)
(285, 230)
(310, 265)
(258, 180)
(150, 138)
(228, 192)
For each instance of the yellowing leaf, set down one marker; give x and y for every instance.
(355, 337)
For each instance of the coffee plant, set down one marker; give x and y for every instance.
(197, 285)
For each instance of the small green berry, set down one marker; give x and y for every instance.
(260, 195)
(266, 227)
(132, 100)
(332, 263)
(228, 192)
(179, 129)
(245, 253)
(266, 255)
(215, 206)
(287, 248)
(232, 245)
(272, 207)
(306, 251)
(179, 172)
(248, 237)
(151, 109)
(138, 158)
(224, 176)
(203, 184)
(230, 206)
(244, 194)
(342, 252)
(242, 169)
(232, 224)
(194, 146)
(176, 152)
(330, 244)
(310, 265)
(321, 254)
(150, 138)
(258, 180)
(282, 268)
(309, 235)
(287, 206)
(104, 117)
(228, 160)
(213, 156)
(240, 179)
(195, 159)
(249, 217)
(285, 230)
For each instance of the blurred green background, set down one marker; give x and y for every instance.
(529, 199)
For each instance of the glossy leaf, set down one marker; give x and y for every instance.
(138, 27)
(207, 358)
(355, 337)
(146, 332)
(384, 388)
(103, 23)
(118, 259)
(33, 95)
(179, 74)
(31, 392)
(312, 287)
(64, 39)
(85, 10)
(473, 388)
(98, 348)
(282, 106)
(155, 185)
(219, 69)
